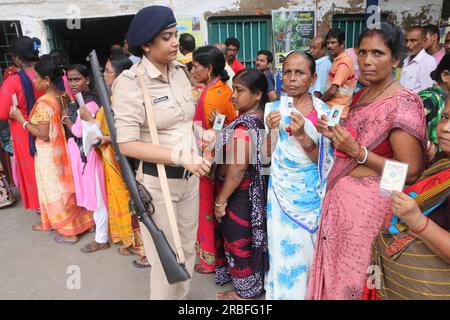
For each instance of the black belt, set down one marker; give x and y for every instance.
(171, 172)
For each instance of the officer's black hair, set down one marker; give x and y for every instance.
(233, 42)
(212, 56)
(393, 37)
(267, 53)
(26, 48)
(136, 51)
(187, 42)
(256, 81)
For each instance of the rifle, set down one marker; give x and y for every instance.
(141, 200)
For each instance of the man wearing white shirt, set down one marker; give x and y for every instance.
(318, 49)
(222, 47)
(419, 64)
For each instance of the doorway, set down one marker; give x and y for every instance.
(95, 33)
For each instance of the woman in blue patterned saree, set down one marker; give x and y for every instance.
(301, 160)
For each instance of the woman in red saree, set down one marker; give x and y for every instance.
(388, 122)
(26, 53)
(208, 68)
(57, 200)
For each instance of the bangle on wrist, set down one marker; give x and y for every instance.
(219, 205)
(360, 153)
(423, 229)
(366, 156)
(24, 124)
(64, 118)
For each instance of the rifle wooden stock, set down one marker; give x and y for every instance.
(174, 271)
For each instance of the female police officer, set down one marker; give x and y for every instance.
(152, 35)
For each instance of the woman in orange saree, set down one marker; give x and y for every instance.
(208, 69)
(57, 200)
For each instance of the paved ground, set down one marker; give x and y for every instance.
(33, 266)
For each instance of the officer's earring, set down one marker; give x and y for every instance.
(209, 77)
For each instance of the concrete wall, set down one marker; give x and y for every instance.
(31, 13)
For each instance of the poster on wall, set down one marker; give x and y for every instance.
(190, 25)
(292, 30)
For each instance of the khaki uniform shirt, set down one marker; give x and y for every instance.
(172, 101)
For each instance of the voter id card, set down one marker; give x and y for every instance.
(393, 177)
(219, 122)
(286, 105)
(80, 99)
(335, 115)
(14, 100)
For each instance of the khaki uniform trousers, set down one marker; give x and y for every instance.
(185, 200)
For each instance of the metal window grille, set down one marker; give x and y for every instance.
(254, 34)
(9, 31)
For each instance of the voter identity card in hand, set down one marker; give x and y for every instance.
(335, 115)
(14, 100)
(80, 99)
(219, 122)
(393, 177)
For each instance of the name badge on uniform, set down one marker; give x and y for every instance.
(160, 99)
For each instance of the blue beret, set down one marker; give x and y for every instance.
(148, 23)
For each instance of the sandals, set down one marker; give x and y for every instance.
(126, 251)
(201, 269)
(38, 227)
(60, 239)
(94, 246)
(229, 295)
(141, 262)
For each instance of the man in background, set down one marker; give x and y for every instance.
(432, 46)
(222, 47)
(264, 60)
(233, 46)
(419, 64)
(318, 49)
(341, 79)
(447, 43)
(187, 47)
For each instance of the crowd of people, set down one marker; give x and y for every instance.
(265, 193)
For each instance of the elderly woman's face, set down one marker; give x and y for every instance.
(297, 77)
(443, 130)
(164, 48)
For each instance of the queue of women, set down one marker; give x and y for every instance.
(310, 223)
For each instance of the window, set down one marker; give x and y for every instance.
(352, 25)
(9, 31)
(254, 34)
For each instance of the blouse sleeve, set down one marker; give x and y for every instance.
(409, 116)
(41, 113)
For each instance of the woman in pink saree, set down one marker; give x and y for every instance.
(385, 121)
